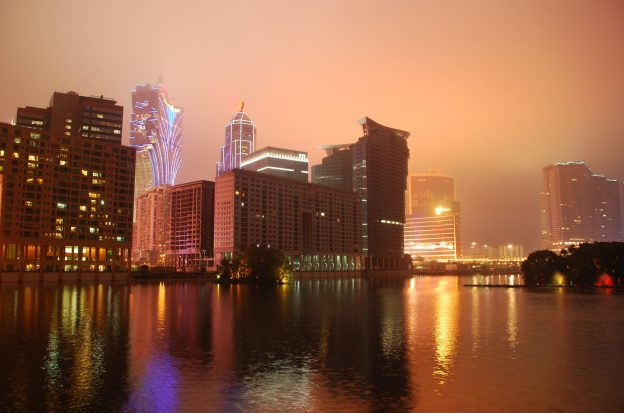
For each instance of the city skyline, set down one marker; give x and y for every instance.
(486, 99)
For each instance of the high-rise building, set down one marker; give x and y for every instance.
(379, 178)
(432, 228)
(336, 169)
(156, 132)
(376, 167)
(240, 141)
(315, 226)
(578, 206)
(279, 162)
(191, 226)
(152, 218)
(70, 114)
(66, 189)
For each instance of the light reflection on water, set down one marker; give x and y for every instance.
(425, 343)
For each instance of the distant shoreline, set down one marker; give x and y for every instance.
(551, 287)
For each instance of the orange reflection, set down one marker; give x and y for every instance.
(445, 329)
(512, 321)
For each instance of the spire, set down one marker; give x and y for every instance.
(160, 78)
(242, 105)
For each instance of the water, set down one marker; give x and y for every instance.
(424, 343)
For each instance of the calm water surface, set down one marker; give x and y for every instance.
(424, 344)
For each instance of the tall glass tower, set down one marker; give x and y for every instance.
(240, 140)
(156, 132)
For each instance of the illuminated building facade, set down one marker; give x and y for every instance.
(578, 206)
(156, 133)
(152, 220)
(433, 226)
(279, 162)
(315, 226)
(191, 226)
(379, 178)
(336, 169)
(66, 192)
(240, 141)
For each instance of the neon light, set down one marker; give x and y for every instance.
(157, 129)
(240, 136)
(276, 168)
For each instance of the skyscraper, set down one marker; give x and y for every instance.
(240, 141)
(375, 167)
(156, 132)
(336, 169)
(66, 189)
(578, 206)
(432, 229)
(379, 178)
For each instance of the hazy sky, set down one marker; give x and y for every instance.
(491, 90)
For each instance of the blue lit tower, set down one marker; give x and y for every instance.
(156, 133)
(240, 138)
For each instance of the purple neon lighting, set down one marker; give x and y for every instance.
(157, 128)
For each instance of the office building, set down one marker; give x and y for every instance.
(240, 141)
(378, 174)
(191, 226)
(315, 226)
(433, 225)
(578, 206)
(156, 133)
(66, 188)
(152, 219)
(279, 162)
(379, 178)
(336, 169)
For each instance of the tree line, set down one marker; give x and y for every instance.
(598, 263)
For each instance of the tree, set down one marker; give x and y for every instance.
(540, 266)
(257, 265)
(267, 265)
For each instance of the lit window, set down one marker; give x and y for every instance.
(61, 205)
